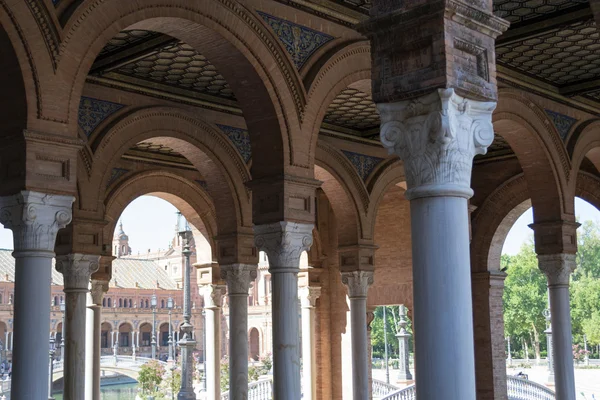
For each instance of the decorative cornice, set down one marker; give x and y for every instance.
(77, 270)
(358, 283)
(35, 218)
(309, 295)
(46, 24)
(557, 268)
(284, 243)
(238, 277)
(213, 296)
(437, 136)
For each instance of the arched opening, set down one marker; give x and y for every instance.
(163, 338)
(254, 344)
(125, 337)
(145, 334)
(106, 331)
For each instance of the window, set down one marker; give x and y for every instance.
(120, 303)
(162, 303)
(124, 339)
(103, 302)
(146, 303)
(166, 266)
(123, 249)
(56, 301)
(130, 303)
(116, 249)
(109, 302)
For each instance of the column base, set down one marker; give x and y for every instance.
(406, 382)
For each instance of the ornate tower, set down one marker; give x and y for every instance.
(121, 243)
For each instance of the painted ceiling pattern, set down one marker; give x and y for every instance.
(353, 109)
(93, 111)
(126, 39)
(363, 163)
(515, 11)
(240, 139)
(299, 41)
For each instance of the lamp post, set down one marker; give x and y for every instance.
(170, 342)
(509, 351)
(548, 333)
(586, 357)
(204, 350)
(62, 333)
(153, 305)
(187, 342)
(51, 368)
(385, 343)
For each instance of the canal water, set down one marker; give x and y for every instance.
(123, 391)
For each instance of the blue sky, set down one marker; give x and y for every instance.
(150, 224)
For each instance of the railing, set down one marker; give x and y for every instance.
(522, 389)
(259, 390)
(121, 361)
(407, 393)
(382, 389)
(4, 386)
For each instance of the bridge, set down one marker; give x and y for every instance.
(123, 365)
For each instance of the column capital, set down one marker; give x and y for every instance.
(309, 295)
(238, 277)
(77, 270)
(557, 268)
(358, 283)
(35, 218)
(283, 242)
(213, 295)
(97, 290)
(437, 136)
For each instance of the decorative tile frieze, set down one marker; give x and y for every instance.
(364, 164)
(299, 41)
(202, 184)
(240, 139)
(115, 175)
(562, 123)
(93, 111)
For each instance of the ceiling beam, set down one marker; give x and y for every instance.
(541, 26)
(580, 87)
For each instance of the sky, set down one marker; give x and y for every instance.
(150, 224)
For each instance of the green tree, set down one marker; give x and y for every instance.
(149, 378)
(588, 251)
(525, 297)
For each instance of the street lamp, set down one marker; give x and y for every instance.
(204, 349)
(385, 343)
(153, 305)
(548, 333)
(170, 343)
(51, 368)
(62, 334)
(187, 342)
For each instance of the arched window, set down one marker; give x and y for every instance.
(166, 266)
(116, 249)
(56, 301)
(162, 303)
(146, 303)
(130, 303)
(120, 303)
(61, 299)
(109, 302)
(141, 303)
(10, 298)
(103, 302)
(123, 249)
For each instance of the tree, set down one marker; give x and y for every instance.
(377, 337)
(149, 378)
(588, 251)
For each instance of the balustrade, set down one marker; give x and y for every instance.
(259, 390)
(522, 389)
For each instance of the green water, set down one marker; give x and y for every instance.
(124, 391)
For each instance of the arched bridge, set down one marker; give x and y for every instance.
(123, 365)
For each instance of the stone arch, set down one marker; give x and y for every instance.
(210, 152)
(389, 174)
(585, 142)
(541, 153)
(187, 196)
(346, 66)
(228, 34)
(588, 188)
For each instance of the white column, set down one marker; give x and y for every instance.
(93, 334)
(238, 278)
(558, 269)
(34, 219)
(308, 298)
(437, 136)
(284, 242)
(77, 270)
(213, 295)
(358, 283)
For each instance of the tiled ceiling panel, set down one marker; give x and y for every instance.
(126, 39)
(353, 109)
(560, 57)
(517, 11)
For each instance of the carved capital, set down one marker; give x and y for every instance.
(77, 270)
(35, 218)
(213, 295)
(358, 283)
(437, 136)
(309, 295)
(284, 242)
(238, 277)
(557, 268)
(97, 290)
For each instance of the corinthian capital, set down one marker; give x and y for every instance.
(437, 136)
(238, 277)
(309, 295)
(97, 290)
(35, 218)
(77, 270)
(358, 283)
(557, 268)
(283, 242)
(213, 294)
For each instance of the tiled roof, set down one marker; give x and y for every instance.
(126, 272)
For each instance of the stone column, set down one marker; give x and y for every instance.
(403, 348)
(77, 270)
(213, 295)
(437, 136)
(358, 283)
(284, 242)
(238, 278)
(93, 334)
(34, 219)
(558, 269)
(308, 298)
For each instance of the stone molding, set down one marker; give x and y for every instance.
(239, 277)
(557, 268)
(309, 295)
(213, 296)
(437, 136)
(35, 218)
(97, 290)
(358, 283)
(284, 242)
(77, 269)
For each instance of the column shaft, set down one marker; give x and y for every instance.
(93, 334)
(212, 307)
(308, 296)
